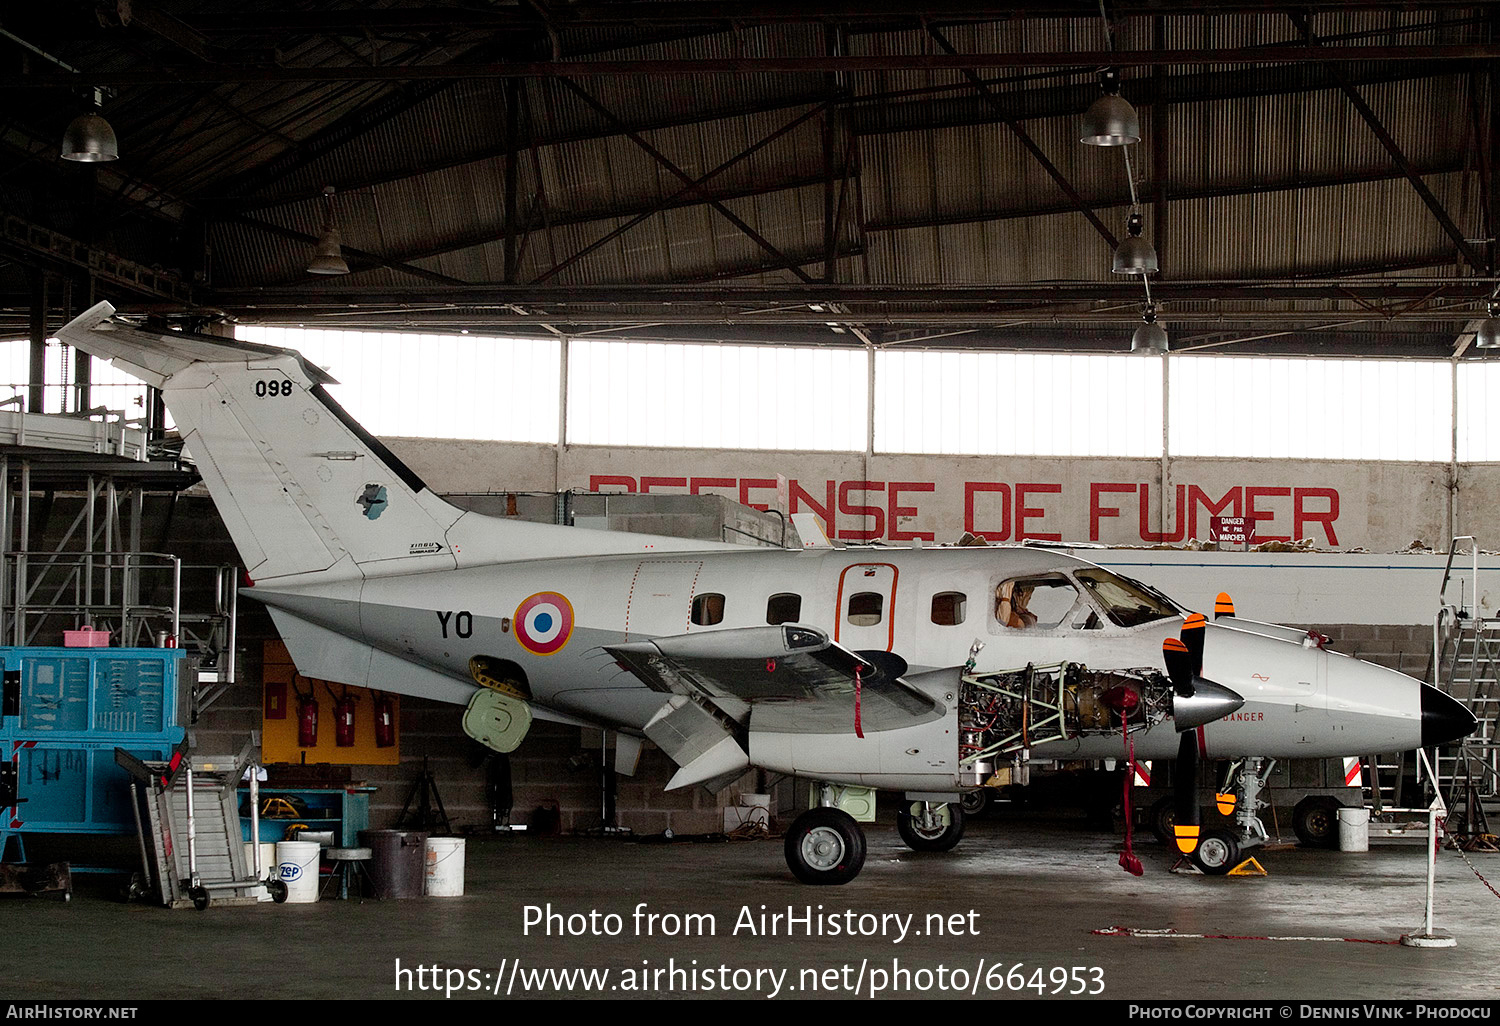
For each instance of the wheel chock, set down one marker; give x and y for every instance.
(1248, 868)
(1185, 867)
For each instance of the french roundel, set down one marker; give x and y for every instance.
(544, 622)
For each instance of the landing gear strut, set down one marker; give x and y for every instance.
(1220, 850)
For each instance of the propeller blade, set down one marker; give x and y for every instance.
(1185, 793)
(1193, 629)
(1225, 802)
(1223, 605)
(1179, 666)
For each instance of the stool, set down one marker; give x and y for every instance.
(348, 862)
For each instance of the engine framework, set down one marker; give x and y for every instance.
(1004, 713)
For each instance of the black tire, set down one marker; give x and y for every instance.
(277, 890)
(825, 846)
(1217, 853)
(200, 898)
(1316, 821)
(1162, 818)
(919, 838)
(976, 803)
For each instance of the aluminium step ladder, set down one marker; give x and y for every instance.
(192, 851)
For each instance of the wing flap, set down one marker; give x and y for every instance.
(792, 674)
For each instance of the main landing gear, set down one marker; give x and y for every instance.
(826, 846)
(930, 826)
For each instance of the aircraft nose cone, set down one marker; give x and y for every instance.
(1444, 718)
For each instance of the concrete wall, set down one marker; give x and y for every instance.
(1344, 505)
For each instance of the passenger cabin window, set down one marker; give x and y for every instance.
(1035, 602)
(708, 610)
(784, 608)
(948, 608)
(866, 608)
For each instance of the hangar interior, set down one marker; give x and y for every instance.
(881, 214)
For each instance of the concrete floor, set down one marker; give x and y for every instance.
(1037, 890)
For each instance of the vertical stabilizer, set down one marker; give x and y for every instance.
(301, 487)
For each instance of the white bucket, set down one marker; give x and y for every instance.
(1354, 829)
(297, 867)
(445, 867)
(267, 865)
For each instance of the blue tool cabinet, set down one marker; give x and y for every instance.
(64, 712)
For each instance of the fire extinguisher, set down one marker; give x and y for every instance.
(385, 721)
(307, 720)
(343, 720)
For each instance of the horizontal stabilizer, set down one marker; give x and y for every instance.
(154, 356)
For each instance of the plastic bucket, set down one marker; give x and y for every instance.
(445, 867)
(1354, 829)
(297, 867)
(267, 865)
(398, 863)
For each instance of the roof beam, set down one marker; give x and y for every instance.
(1028, 143)
(692, 184)
(1394, 293)
(1177, 195)
(755, 12)
(1371, 119)
(1286, 54)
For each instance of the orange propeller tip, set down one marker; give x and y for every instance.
(1223, 605)
(1173, 645)
(1194, 621)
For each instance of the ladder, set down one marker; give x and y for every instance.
(192, 849)
(1466, 663)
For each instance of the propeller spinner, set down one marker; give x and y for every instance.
(1195, 701)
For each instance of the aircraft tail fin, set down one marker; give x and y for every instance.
(300, 485)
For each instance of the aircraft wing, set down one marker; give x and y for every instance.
(792, 674)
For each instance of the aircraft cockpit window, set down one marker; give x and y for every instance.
(784, 608)
(1035, 602)
(708, 610)
(866, 608)
(948, 608)
(1126, 603)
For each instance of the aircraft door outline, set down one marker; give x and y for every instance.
(867, 579)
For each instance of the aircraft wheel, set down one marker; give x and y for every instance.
(277, 890)
(976, 803)
(1162, 818)
(1218, 852)
(1316, 821)
(200, 898)
(825, 846)
(937, 830)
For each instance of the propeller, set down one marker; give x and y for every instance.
(1195, 701)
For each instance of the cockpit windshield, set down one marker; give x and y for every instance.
(1125, 602)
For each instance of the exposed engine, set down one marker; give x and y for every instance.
(1003, 713)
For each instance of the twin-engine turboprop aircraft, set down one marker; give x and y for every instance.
(913, 671)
